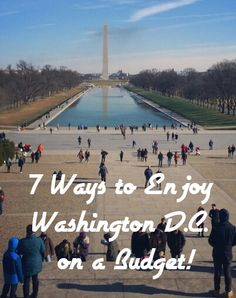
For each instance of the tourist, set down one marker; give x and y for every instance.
(145, 154)
(103, 155)
(133, 144)
(79, 140)
(81, 155)
(37, 156)
(50, 130)
(162, 225)
(21, 162)
(176, 242)
(201, 226)
(2, 198)
(176, 158)
(169, 158)
(229, 151)
(140, 244)
(49, 247)
(58, 175)
(157, 180)
(121, 155)
(63, 250)
(232, 150)
(40, 149)
(103, 172)
(8, 164)
(191, 146)
(198, 152)
(81, 246)
(160, 159)
(168, 136)
(158, 241)
(32, 250)
(222, 239)
(89, 142)
(32, 157)
(112, 248)
(87, 155)
(69, 125)
(214, 215)
(210, 144)
(139, 154)
(12, 269)
(184, 157)
(148, 174)
(172, 136)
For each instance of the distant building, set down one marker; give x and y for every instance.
(119, 75)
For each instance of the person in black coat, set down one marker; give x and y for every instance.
(222, 239)
(176, 242)
(214, 215)
(140, 245)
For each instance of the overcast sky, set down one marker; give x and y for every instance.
(143, 34)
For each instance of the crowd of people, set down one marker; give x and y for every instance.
(23, 260)
(20, 266)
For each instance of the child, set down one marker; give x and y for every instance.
(12, 269)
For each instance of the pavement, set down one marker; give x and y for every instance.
(60, 152)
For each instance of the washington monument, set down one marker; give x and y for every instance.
(105, 53)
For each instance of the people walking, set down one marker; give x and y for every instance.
(184, 157)
(210, 144)
(2, 198)
(222, 239)
(140, 244)
(89, 142)
(32, 250)
(158, 241)
(148, 174)
(49, 247)
(162, 225)
(121, 155)
(112, 247)
(169, 158)
(103, 172)
(81, 155)
(8, 164)
(37, 156)
(87, 155)
(160, 157)
(176, 242)
(32, 156)
(214, 214)
(176, 158)
(21, 162)
(79, 140)
(81, 246)
(12, 269)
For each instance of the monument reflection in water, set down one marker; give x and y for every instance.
(109, 107)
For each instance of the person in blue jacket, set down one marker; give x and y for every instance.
(12, 269)
(32, 250)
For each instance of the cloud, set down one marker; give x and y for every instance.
(40, 26)
(159, 8)
(194, 23)
(8, 13)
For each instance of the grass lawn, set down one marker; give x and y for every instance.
(33, 110)
(200, 115)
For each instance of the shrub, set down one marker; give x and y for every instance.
(7, 149)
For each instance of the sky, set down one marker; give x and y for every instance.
(143, 34)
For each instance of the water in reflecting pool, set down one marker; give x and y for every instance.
(109, 107)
